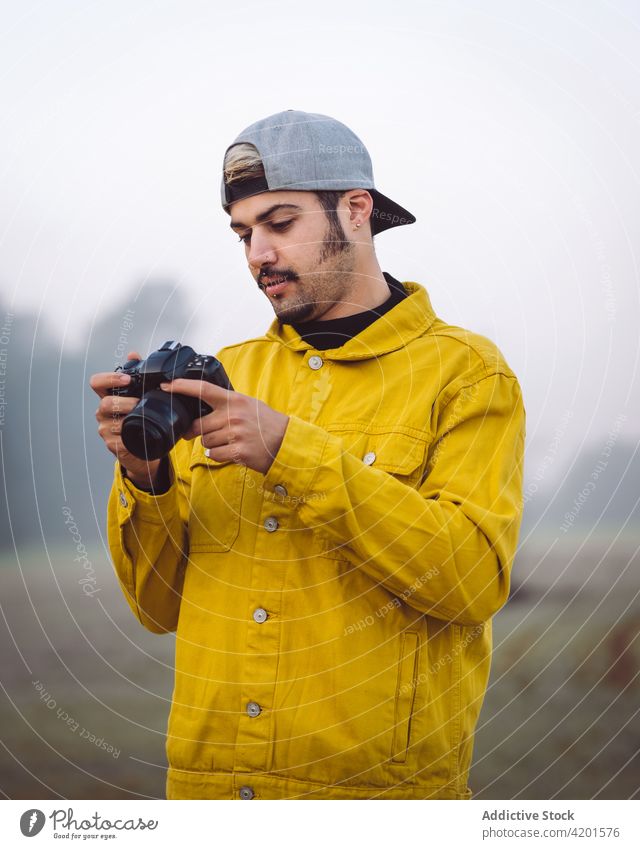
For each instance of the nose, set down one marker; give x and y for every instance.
(261, 250)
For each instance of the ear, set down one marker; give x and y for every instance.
(360, 205)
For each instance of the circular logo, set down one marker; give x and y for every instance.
(31, 822)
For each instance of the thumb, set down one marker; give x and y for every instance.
(133, 355)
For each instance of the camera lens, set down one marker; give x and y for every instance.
(155, 424)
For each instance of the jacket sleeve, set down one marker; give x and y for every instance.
(148, 543)
(446, 547)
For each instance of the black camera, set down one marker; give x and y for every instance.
(154, 425)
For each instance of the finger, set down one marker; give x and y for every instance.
(133, 355)
(216, 439)
(224, 454)
(212, 421)
(119, 450)
(108, 430)
(115, 405)
(104, 381)
(209, 392)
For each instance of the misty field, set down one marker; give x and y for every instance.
(86, 691)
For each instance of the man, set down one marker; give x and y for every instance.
(331, 542)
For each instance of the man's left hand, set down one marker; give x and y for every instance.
(240, 428)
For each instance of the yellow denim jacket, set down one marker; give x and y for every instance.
(333, 616)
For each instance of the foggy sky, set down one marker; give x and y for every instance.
(511, 130)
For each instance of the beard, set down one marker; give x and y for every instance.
(314, 292)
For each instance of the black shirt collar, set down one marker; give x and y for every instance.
(335, 332)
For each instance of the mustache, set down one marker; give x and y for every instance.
(285, 273)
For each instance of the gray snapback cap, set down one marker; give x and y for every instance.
(304, 151)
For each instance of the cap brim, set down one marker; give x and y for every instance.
(386, 213)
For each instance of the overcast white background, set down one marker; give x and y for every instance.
(511, 130)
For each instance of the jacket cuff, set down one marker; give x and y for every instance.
(296, 463)
(162, 481)
(154, 509)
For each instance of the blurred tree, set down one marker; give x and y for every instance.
(51, 453)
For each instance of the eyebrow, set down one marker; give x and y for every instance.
(263, 216)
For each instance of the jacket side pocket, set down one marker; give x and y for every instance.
(405, 695)
(216, 497)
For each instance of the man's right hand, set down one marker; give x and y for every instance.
(110, 413)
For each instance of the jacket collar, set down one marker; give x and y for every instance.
(392, 331)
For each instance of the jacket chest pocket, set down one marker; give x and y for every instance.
(216, 499)
(400, 454)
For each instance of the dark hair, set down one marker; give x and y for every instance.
(329, 202)
(336, 238)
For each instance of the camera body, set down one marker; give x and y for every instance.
(161, 418)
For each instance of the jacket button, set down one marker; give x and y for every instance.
(123, 499)
(253, 708)
(281, 490)
(369, 458)
(246, 792)
(271, 524)
(260, 615)
(315, 362)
